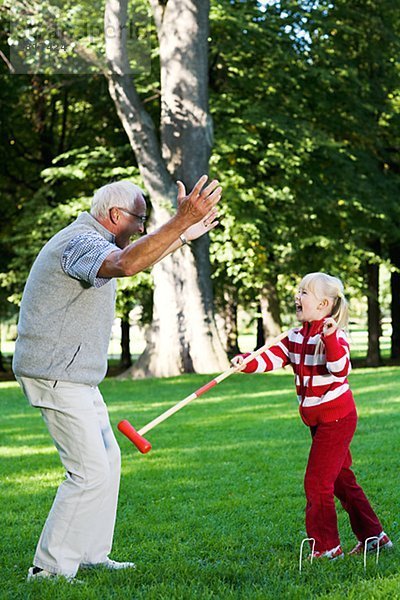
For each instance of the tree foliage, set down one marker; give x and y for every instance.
(303, 140)
(305, 101)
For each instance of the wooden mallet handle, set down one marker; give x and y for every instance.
(136, 436)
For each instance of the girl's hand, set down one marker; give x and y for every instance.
(237, 361)
(329, 327)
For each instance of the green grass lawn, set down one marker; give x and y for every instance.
(216, 509)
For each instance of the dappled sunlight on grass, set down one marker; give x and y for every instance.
(218, 449)
(246, 401)
(249, 395)
(51, 477)
(249, 415)
(7, 451)
(16, 435)
(22, 416)
(9, 385)
(216, 509)
(370, 411)
(285, 408)
(375, 389)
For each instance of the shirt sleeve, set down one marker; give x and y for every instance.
(274, 357)
(337, 354)
(83, 257)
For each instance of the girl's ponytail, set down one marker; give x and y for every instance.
(340, 311)
(326, 286)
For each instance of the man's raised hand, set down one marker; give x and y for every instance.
(198, 204)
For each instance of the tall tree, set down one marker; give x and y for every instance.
(183, 335)
(311, 154)
(395, 303)
(374, 315)
(309, 167)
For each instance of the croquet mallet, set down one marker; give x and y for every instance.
(144, 445)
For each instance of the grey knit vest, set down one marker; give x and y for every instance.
(64, 324)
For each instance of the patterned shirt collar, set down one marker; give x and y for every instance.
(87, 218)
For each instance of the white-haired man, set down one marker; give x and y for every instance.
(60, 357)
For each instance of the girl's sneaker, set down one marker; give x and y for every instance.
(332, 554)
(383, 540)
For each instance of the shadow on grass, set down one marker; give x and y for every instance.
(216, 509)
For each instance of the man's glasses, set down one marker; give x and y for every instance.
(141, 218)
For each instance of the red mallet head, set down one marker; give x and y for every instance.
(140, 442)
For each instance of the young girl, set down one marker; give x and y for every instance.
(319, 354)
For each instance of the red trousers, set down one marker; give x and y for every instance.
(328, 474)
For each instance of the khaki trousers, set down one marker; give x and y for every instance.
(80, 526)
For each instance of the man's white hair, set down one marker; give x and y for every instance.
(118, 193)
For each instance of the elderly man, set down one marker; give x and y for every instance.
(60, 357)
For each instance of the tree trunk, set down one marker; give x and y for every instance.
(229, 315)
(43, 121)
(270, 311)
(260, 339)
(2, 367)
(126, 358)
(395, 303)
(183, 336)
(374, 316)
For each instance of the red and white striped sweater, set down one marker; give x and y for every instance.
(321, 379)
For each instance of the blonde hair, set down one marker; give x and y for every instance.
(118, 193)
(325, 286)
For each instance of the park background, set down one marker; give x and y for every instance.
(294, 106)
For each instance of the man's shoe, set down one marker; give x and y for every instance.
(110, 564)
(383, 540)
(332, 554)
(37, 574)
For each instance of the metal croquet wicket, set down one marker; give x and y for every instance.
(374, 537)
(301, 551)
